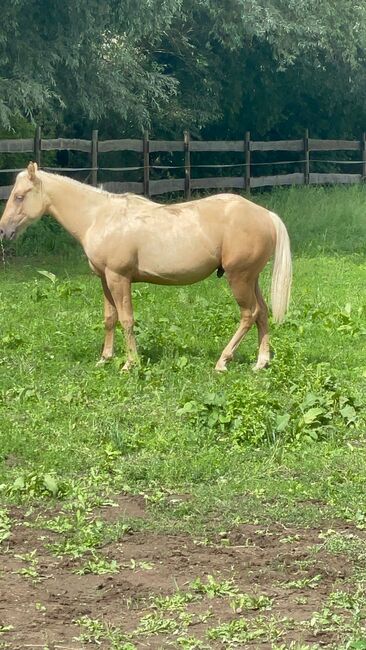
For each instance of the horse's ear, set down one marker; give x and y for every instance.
(32, 171)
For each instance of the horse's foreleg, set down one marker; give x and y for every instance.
(110, 320)
(120, 288)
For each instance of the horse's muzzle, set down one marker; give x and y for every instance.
(7, 233)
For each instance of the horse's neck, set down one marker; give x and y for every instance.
(71, 204)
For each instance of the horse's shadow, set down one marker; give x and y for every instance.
(155, 354)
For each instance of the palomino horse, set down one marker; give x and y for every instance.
(128, 239)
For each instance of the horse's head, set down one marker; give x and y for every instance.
(25, 205)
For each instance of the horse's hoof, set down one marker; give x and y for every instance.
(260, 366)
(220, 367)
(129, 364)
(102, 361)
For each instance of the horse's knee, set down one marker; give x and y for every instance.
(127, 324)
(110, 322)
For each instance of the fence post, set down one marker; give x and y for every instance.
(187, 166)
(247, 162)
(306, 158)
(94, 158)
(363, 152)
(146, 152)
(37, 145)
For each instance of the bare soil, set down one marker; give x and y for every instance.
(42, 611)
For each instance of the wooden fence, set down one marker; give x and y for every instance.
(148, 149)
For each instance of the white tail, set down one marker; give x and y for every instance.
(282, 271)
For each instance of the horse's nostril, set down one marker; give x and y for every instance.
(2, 233)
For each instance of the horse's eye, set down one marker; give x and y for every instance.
(19, 198)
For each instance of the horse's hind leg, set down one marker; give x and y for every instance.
(110, 321)
(263, 336)
(244, 291)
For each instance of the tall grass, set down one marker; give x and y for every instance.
(322, 219)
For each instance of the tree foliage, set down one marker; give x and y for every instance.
(83, 57)
(271, 66)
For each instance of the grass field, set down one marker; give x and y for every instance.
(173, 506)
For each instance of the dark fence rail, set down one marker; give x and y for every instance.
(188, 169)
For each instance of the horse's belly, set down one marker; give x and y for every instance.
(173, 269)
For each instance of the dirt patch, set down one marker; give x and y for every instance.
(41, 596)
(123, 505)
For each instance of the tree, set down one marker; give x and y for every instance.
(272, 67)
(217, 67)
(86, 57)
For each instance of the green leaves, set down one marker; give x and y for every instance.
(57, 289)
(282, 421)
(135, 65)
(312, 415)
(349, 414)
(98, 48)
(11, 340)
(36, 484)
(213, 588)
(257, 411)
(5, 525)
(51, 484)
(49, 275)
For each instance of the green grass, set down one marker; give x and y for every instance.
(292, 433)
(208, 451)
(322, 220)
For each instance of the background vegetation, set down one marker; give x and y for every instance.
(273, 67)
